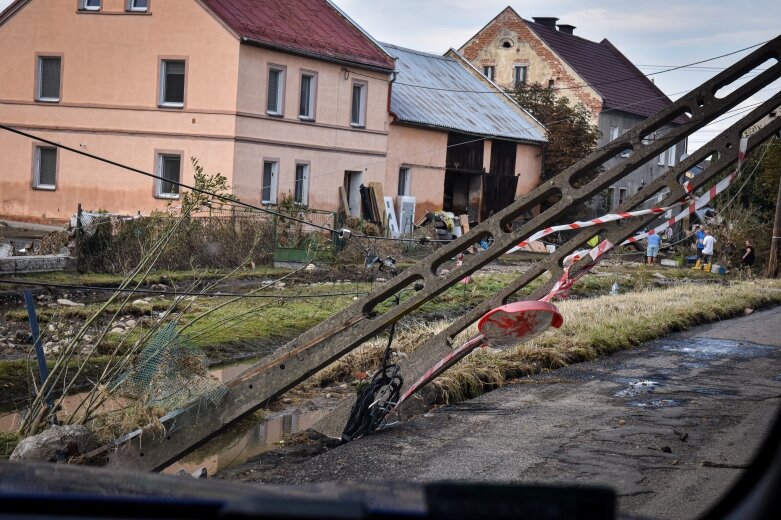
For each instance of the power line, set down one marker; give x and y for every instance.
(52, 285)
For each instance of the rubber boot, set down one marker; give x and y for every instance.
(708, 267)
(697, 265)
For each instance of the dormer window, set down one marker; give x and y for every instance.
(90, 5)
(138, 6)
(506, 43)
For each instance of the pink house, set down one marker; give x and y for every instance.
(280, 96)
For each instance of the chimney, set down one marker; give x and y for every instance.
(547, 21)
(567, 29)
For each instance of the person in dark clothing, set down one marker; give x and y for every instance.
(748, 256)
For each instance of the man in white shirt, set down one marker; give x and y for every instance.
(707, 251)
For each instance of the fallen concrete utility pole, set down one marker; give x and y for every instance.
(149, 449)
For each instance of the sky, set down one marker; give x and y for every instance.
(652, 34)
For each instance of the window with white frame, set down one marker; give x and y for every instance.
(90, 5)
(172, 81)
(671, 157)
(306, 108)
(661, 158)
(137, 5)
(45, 169)
(489, 71)
(169, 171)
(49, 78)
(269, 187)
(301, 188)
(519, 74)
(358, 106)
(613, 133)
(626, 152)
(276, 91)
(405, 181)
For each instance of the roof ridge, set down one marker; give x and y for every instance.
(607, 43)
(414, 51)
(561, 33)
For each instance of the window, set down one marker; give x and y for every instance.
(45, 168)
(48, 81)
(90, 5)
(301, 190)
(613, 133)
(169, 167)
(489, 71)
(269, 188)
(671, 157)
(404, 181)
(661, 159)
(306, 108)
(551, 83)
(172, 83)
(621, 195)
(358, 111)
(137, 5)
(627, 152)
(519, 74)
(610, 196)
(276, 90)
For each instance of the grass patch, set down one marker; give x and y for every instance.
(604, 325)
(8, 442)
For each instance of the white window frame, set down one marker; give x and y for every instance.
(37, 168)
(614, 130)
(161, 156)
(39, 80)
(84, 5)
(661, 158)
(525, 78)
(163, 67)
(304, 185)
(131, 6)
(671, 156)
(627, 152)
(272, 198)
(405, 181)
(489, 71)
(280, 101)
(364, 88)
(312, 96)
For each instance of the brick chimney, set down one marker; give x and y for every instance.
(565, 28)
(547, 21)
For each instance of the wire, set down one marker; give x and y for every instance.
(175, 293)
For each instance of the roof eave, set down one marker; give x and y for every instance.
(318, 56)
(442, 128)
(12, 9)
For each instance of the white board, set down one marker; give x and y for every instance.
(393, 225)
(405, 208)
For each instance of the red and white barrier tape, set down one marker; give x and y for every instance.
(692, 206)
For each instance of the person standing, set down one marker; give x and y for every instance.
(748, 257)
(709, 243)
(700, 245)
(652, 251)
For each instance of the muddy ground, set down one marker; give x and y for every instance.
(669, 426)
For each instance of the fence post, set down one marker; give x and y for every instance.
(31, 316)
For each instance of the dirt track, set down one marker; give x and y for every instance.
(669, 447)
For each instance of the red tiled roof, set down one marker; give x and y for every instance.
(622, 86)
(311, 27)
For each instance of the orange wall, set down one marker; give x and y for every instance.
(108, 101)
(528, 164)
(424, 152)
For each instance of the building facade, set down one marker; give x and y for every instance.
(511, 50)
(457, 142)
(283, 97)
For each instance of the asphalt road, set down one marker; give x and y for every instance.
(669, 447)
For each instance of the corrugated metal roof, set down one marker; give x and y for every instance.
(306, 26)
(432, 90)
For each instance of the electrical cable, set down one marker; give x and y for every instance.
(175, 293)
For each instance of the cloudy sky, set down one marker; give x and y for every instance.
(652, 34)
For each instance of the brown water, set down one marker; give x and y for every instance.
(234, 446)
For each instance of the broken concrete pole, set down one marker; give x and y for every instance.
(57, 444)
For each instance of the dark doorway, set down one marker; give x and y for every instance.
(503, 157)
(498, 193)
(465, 152)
